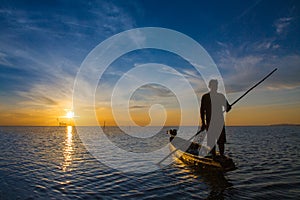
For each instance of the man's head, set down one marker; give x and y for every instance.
(213, 85)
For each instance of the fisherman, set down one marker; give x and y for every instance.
(213, 105)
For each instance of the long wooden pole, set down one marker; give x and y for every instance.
(231, 105)
(254, 86)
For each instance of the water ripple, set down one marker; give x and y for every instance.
(52, 163)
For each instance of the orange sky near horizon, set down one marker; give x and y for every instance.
(238, 116)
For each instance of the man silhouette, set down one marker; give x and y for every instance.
(213, 105)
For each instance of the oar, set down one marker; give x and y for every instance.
(230, 105)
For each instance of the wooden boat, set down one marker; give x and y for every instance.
(188, 153)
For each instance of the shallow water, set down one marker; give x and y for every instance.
(53, 163)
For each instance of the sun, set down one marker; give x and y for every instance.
(70, 114)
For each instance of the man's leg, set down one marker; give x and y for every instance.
(221, 142)
(221, 148)
(213, 152)
(211, 144)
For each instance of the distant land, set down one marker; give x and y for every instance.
(285, 125)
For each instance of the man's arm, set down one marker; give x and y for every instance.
(228, 106)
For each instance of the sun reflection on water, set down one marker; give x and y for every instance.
(68, 149)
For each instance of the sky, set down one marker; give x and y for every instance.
(44, 43)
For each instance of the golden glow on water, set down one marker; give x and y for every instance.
(68, 149)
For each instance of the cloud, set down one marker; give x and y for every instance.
(37, 99)
(138, 107)
(282, 24)
(243, 71)
(156, 91)
(59, 20)
(58, 94)
(287, 76)
(138, 38)
(4, 60)
(42, 48)
(267, 44)
(242, 66)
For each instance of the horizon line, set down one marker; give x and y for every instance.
(279, 124)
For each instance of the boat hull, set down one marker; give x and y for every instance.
(182, 150)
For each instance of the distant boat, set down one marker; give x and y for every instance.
(62, 123)
(188, 153)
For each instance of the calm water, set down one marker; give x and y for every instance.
(53, 163)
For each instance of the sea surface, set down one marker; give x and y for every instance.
(54, 163)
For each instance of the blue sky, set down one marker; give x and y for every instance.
(43, 43)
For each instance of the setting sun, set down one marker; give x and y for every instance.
(70, 114)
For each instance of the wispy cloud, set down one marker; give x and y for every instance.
(41, 49)
(156, 91)
(55, 94)
(37, 99)
(138, 107)
(266, 44)
(282, 24)
(4, 59)
(242, 71)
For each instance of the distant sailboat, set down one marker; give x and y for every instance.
(62, 123)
